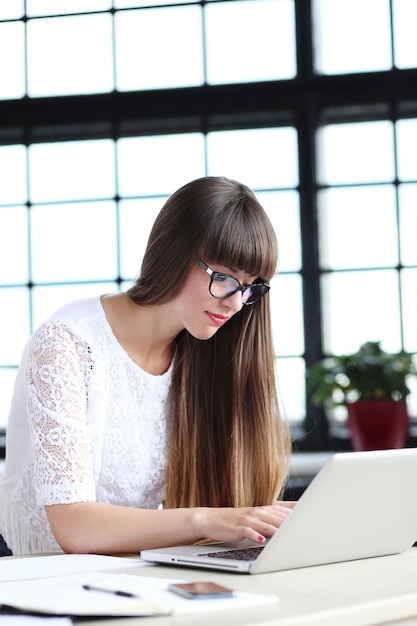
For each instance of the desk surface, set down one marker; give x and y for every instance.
(357, 593)
(371, 591)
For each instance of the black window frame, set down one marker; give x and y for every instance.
(306, 102)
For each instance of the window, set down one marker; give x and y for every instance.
(286, 96)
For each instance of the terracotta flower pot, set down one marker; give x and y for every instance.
(378, 425)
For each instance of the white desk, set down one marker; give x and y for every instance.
(372, 591)
(358, 593)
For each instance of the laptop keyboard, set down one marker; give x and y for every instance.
(241, 554)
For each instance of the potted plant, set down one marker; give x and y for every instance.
(373, 385)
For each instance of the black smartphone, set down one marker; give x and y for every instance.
(201, 590)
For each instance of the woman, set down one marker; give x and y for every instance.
(164, 394)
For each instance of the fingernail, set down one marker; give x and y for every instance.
(261, 539)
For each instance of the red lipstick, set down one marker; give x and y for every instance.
(219, 320)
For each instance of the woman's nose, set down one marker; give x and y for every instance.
(234, 303)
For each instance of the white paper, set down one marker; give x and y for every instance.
(65, 596)
(62, 565)
(29, 620)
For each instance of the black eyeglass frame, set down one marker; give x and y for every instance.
(213, 275)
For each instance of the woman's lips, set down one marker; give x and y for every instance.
(219, 320)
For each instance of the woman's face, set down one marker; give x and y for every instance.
(198, 311)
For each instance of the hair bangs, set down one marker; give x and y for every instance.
(244, 239)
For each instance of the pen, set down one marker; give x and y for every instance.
(125, 594)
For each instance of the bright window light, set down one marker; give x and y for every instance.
(12, 48)
(362, 219)
(405, 20)
(13, 175)
(73, 242)
(250, 41)
(72, 170)
(263, 158)
(158, 48)
(356, 153)
(60, 7)
(11, 9)
(70, 55)
(352, 36)
(159, 164)
(14, 267)
(356, 307)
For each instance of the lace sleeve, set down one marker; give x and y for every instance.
(57, 389)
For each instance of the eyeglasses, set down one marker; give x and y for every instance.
(223, 285)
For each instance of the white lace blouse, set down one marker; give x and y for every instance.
(86, 424)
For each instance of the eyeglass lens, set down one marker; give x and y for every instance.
(223, 285)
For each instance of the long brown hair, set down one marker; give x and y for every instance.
(229, 445)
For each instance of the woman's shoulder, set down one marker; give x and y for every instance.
(78, 319)
(78, 311)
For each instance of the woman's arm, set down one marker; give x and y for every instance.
(56, 403)
(93, 527)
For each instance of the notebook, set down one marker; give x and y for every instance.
(359, 505)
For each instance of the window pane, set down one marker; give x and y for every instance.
(141, 64)
(12, 48)
(11, 9)
(48, 299)
(405, 20)
(359, 307)
(286, 307)
(56, 7)
(13, 186)
(74, 242)
(120, 4)
(291, 380)
(282, 208)
(7, 380)
(158, 164)
(351, 36)
(406, 143)
(408, 224)
(78, 57)
(409, 282)
(72, 170)
(136, 220)
(356, 153)
(260, 158)
(250, 41)
(13, 245)
(358, 227)
(14, 328)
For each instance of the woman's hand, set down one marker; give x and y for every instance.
(234, 524)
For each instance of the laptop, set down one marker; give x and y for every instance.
(359, 505)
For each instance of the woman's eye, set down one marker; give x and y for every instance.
(221, 278)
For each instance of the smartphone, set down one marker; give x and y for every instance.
(201, 590)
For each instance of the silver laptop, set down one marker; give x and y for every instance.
(359, 505)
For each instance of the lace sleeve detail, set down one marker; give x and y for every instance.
(57, 392)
